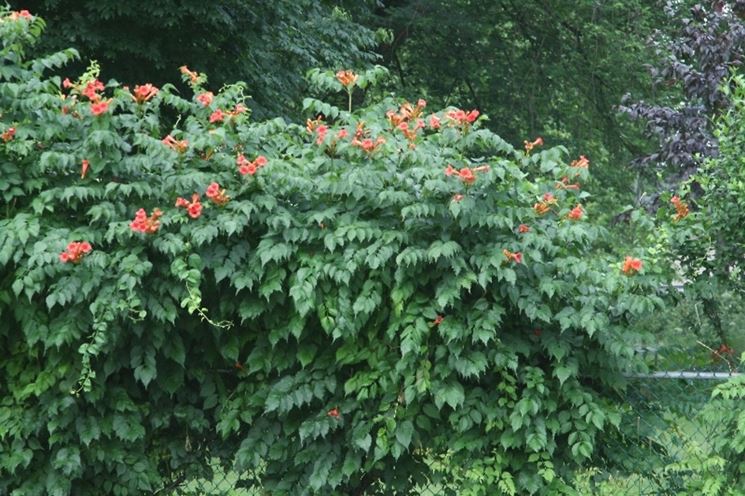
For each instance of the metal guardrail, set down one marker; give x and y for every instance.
(687, 374)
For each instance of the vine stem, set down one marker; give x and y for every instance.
(202, 312)
(725, 359)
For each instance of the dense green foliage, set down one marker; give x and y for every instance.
(721, 205)
(359, 307)
(269, 45)
(710, 252)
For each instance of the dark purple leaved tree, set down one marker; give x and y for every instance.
(698, 61)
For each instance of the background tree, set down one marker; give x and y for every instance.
(698, 61)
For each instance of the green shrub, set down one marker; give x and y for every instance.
(336, 320)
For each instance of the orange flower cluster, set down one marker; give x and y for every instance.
(206, 98)
(466, 174)
(544, 206)
(217, 116)
(238, 110)
(98, 105)
(463, 118)
(681, 208)
(576, 213)
(523, 228)
(311, 125)
(84, 168)
(438, 320)
(565, 184)
(368, 144)
(529, 145)
(245, 166)
(218, 195)
(410, 133)
(321, 132)
(91, 90)
(144, 224)
(317, 127)
(406, 115)
(407, 112)
(99, 108)
(8, 134)
(580, 163)
(193, 208)
(724, 352)
(174, 144)
(20, 14)
(192, 75)
(145, 92)
(346, 78)
(631, 266)
(75, 252)
(360, 131)
(516, 257)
